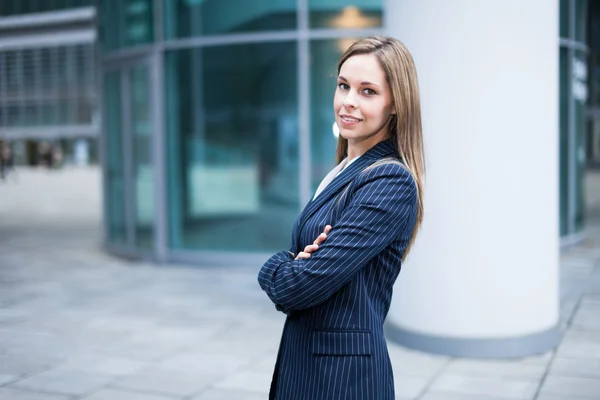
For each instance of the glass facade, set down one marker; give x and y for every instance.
(573, 114)
(215, 133)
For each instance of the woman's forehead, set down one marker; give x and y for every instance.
(363, 67)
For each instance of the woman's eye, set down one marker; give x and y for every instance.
(369, 91)
(343, 86)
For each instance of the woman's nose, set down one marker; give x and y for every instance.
(350, 100)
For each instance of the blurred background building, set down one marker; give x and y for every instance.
(215, 117)
(48, 90)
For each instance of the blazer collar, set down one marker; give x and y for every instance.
(377, 152)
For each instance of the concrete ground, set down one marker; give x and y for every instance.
(76, 323)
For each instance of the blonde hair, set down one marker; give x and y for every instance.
(404, 126)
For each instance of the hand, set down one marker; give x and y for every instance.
(313, 247)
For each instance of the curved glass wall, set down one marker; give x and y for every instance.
(218, 120)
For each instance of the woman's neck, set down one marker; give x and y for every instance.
(357, 149)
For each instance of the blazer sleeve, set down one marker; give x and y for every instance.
(383, 208)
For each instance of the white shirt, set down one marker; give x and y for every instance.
(334, 173)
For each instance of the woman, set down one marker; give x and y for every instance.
(335, 284)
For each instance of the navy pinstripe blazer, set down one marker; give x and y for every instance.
(336, 301)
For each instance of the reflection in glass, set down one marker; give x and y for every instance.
(581, 18)
(143, 169)
(565, 18)
(115, 197)
(336, 14)
(206, 17)
(233, 147)
(125, 23)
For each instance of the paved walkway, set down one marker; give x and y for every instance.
(76, 323)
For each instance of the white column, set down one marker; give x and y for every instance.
(482, 279)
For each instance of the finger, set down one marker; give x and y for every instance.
(327, 229)
(310, 248)
(321, 238)
(302, 255)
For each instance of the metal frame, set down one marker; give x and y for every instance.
(154, 54)
(124, 68)
(304, 138)
(48, 18)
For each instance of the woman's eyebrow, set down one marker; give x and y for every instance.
(341, 78)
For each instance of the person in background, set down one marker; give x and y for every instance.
(6, 160)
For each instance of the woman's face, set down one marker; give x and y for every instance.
(362, 101)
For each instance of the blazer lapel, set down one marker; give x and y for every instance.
(380, 150)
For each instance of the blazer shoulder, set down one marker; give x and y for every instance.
(388, 167)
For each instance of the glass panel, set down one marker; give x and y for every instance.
(115, 196)
(143, 169)
(343, 14)
(565, 18)
(565, 87)
(233, 147)
(205, 17)
(579, 89)
(13, 7)
(125, 23)
(581, 16)
(324, 55)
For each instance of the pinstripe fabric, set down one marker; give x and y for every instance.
(332, 346)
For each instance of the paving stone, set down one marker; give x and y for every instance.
(435, 395)
(250, 381)
(497, 369)
(571, 386)
(14, 394)
(575, 368)
(578, 344)
(512, 389)
(18, 365)
(169, 382)
(121, 394)
(553, 397)
(101, 365)
(539, 359)
(63, 382)
(413, 363)
(222, 394)
(587, 319)
(206, 363)
(4, 379)
(409, 386)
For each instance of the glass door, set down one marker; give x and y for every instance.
(129, 170)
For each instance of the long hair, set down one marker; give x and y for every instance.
(404, 126)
